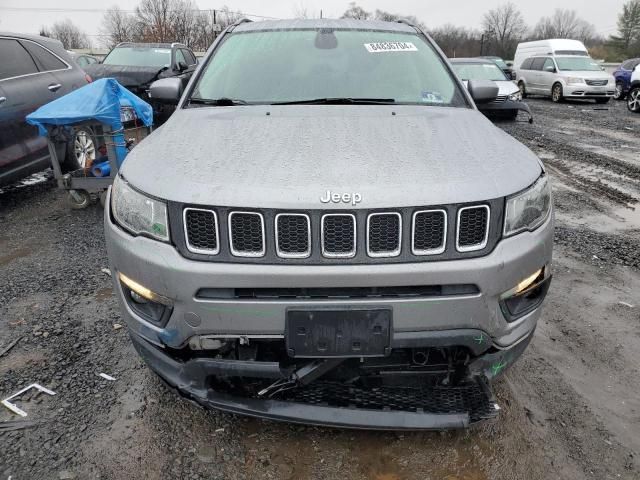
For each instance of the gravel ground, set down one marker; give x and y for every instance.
(570, 407)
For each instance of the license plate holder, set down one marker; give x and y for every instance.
(329, 333)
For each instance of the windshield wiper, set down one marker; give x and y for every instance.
(216, 102)
(339, 101)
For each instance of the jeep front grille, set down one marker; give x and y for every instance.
(360, 236)
(597, 83)
(201, 231)
(246, 233)
(384, 234)
(293, 235)
(338, 235)
(473, 228)
(429, 232)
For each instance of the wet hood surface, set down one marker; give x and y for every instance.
(289, 156)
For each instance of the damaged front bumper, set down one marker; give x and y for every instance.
(402, 400)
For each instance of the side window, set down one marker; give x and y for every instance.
(190, 57)
(548, 63)
(91, 60)
(537, 64)
(82, 61)
(634, 63)
(180, 58)
(526, 65)
(46, 60)
(16, 60)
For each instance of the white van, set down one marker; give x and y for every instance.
(561, 68)
(554, 46)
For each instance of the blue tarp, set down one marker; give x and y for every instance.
(100, 100)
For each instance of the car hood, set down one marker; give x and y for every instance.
(507, 87)
(129, 77)
(289, 156)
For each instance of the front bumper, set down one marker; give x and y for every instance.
(588, 91)
(475, 399)
(505, 106)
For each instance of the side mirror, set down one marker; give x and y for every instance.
(166, 90)
(482, 91)
(182, 66)
(550, 69)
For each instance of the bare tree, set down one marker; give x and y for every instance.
(356, 12)
(562, 24)
(117, 27)
(627, 40)
(506, 26)
(69, 34)
(456, 41)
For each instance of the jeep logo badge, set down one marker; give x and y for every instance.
(352, 198)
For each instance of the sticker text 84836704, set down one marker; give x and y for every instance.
(379, 47)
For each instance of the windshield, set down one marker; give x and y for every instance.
(577, 64)
(139, 57)
(500, 62)
(297, 65)
(478, 71)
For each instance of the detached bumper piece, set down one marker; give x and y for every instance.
(400, 405)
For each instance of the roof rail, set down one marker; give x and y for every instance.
(239, 22)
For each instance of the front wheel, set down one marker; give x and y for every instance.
(556, 93)
(633, 100)
(523, 90)
(618, 94)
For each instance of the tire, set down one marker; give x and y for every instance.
(81, 152)
(633, 100)
(619, 92)
(602, 101)
(556, 93)
(523, 90)
(78, 199)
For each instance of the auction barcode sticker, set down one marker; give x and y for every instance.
(390, 47)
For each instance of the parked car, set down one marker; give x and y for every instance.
(555, 46)
(328, 231)
(623, 77)
(509, 99)
(508, 71)
(35, 70)
(82, 59)
(633, 97)
(137, 65)
(565, 76)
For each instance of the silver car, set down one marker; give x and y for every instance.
(560, 77)
(328, 231)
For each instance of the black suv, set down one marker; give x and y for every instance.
(34, 71)
(137, 65)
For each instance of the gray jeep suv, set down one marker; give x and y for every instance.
(327, 231)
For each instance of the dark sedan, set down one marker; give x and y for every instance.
(34, 71)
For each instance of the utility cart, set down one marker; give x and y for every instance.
(101, 123)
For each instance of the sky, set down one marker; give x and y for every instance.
(27, 16)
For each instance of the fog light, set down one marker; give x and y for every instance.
(149, 305)
(526, 296)
(142, 291)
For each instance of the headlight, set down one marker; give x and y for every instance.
(515, 97)
(575, 80)
(139, 214)
(529, 209)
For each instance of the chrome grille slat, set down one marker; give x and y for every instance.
(429, 232)
(597, 83)
(201, 231)
(338, 235)
(246, 234)
(472, 228)
(293, 235)
(384, 234)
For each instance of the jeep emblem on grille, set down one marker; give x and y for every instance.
(352, 198)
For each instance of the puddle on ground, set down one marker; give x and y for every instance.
(14, 255)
